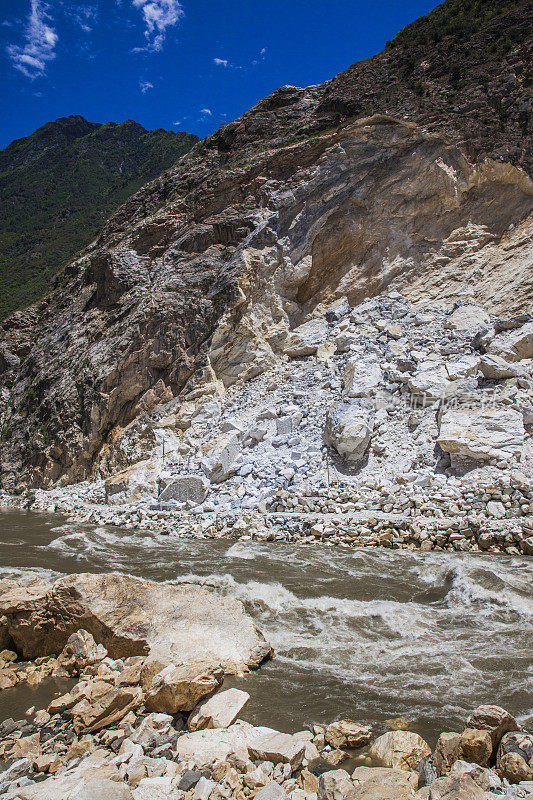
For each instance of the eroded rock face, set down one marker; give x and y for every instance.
(131, 617)
(210, 272)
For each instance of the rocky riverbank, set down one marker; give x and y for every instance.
(147, 718)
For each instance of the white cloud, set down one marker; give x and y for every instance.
(84, 16)
(145, 86)
(261, 57)
(177, 123)
(41, 39)
(158, 15)
(220, 62)
(206, 112)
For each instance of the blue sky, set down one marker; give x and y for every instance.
(176, 64)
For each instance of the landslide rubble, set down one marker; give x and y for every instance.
(393, 429)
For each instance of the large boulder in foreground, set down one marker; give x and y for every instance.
(241, 739)
(494, 719)
(400, 749)
(382, 783)
(179, 688)
(129, 616)
(452, 787)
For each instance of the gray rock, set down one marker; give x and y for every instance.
(427, 771)
(334, 785)
(496, 368)
(17, 769)
(190, 778)
(186, 488)
(481, 433)
(305, 340)
(337, 310)
(272, 791)
(349, 427)
(362, 376)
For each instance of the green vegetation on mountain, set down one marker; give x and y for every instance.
(58, 186)
(459, 18)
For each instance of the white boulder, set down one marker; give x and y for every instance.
(305, 340)
(349, 428)
(468, 318)
(462, 367)
(361, 377)
(496, 368)
(514, 345)
(219, 711)
(431, 381)
(400, 749)
(482, 433)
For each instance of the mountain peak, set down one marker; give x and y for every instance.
(59, 184)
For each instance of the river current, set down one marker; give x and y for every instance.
(368, 633)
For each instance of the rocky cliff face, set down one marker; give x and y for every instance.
(199, 278)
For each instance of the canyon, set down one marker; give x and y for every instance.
(278, 416)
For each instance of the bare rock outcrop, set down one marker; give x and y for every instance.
(194, 281)
(128, 616)
(215, 271)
